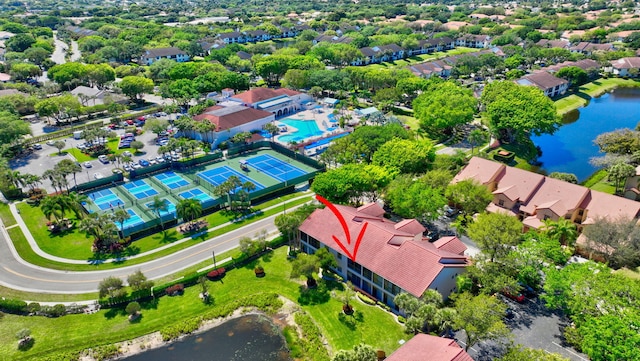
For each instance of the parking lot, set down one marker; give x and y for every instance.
(532, 325)
(38, 161)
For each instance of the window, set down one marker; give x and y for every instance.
(338, 255)
(388, 286)
(501, 202)
(377, 279)
(354, 266)
(304, 236)
(314, 242)
(366, 273)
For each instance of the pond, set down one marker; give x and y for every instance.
(247, 338)
(570, 148)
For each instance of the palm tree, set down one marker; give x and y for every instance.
(51, 208)
(14, 177)
(75, 201)
(31, 181)
(476, 137)
(121, 216)
(157, 206)
(189, 209)
(563, 230)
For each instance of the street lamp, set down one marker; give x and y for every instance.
(214, 260)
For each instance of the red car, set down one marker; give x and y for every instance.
(129, 121)
(519, 297)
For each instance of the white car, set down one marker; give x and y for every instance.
(152, 161)
(103, 158)
(87, 164)
(98, 176)
(37, 146)
(159, 159)
(127, 153)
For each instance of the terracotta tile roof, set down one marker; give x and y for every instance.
(570, 196)
(230, 117)
(256, 95)
(426, 347)
(450, 244)
(398, 255)
(626, 63)
(518, 184)
(482, 170)
(542, 80)
(603, 205)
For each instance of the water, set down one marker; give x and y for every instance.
(248, 338)
(571, 147)
(305, 129)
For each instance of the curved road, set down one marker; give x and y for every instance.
(17, 274)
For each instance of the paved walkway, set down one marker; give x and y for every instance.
(34, 245)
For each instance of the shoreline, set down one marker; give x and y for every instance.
(284, 317)
(597, 91)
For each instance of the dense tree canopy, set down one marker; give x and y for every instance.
(495, 234)
(444, 106)
(415, 198)
(349, 184)
(407, 156)
(515, 111)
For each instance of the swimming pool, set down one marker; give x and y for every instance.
(306, 129)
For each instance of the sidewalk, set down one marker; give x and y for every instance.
(34, 245)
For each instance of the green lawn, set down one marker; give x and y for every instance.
(412, 122)
(112, 144)
(373, 325)
(75, 245)
(590, 90)
(6, 215)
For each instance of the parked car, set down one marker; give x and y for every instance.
(103, 158)
(87, 164)
(143, 162)
(152, 161)
(127, 153)
(37, 146)
(136, 166)
(518, 297)
(50, 142)
(159, 159)
(98, 175)
(129, 121)
(127, 167)
(162, 142)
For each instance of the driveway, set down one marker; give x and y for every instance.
(533, 326)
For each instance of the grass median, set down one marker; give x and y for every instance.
(589, 90)
(77, 243)
(371, 325)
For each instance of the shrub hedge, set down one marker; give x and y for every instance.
(312, 338)
(366, 299)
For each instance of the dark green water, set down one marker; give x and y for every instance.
(248, 338)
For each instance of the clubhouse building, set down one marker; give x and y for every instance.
(392, 257)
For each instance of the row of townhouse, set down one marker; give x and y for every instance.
(534, 198)
(583, 47)
(252, 36)
(442, 68)
(552, 85)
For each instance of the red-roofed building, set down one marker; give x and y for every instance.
(280, 102)
(533, 197)
(426, 347)
(229, 121)
(392, 257)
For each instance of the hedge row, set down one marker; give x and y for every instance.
(312, 338)
(13, 306)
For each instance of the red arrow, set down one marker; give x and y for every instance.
(343, 223)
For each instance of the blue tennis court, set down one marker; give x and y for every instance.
(275, 167)
(105, 199)
(217, 176)
(196, 193)
(171, 180)
(140, 189)
(133, 221)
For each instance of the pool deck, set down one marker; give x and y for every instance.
(321, 119)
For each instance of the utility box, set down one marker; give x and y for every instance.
(77, 134)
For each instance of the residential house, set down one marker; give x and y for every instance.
(551, 86)
(334, 39)
(258, 35)
(89, 96)
(432, 45)
(391, 258)
(152, 55)
(379, 54)
(281, 102)
(432, 68)
(621, 36)
(5, 35)
(455, 25)
(423, 347)
(625, 66)
(5, 78)
(474, 41)
(229, 121)
(7, 92)
(243, 55)
(234, 37)
(533, 197)
(587, 48)
(78, 32)
(560, 43)
(632, 186)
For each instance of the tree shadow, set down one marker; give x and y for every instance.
(114, 312)
(98, 258)
(151, 304)
(351, 321)
(320, 294)
(26, 345)
(167, 236)
(137, 319)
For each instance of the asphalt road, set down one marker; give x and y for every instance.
(17, 274)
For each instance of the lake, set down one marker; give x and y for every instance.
(569, 149)
(247, 338)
